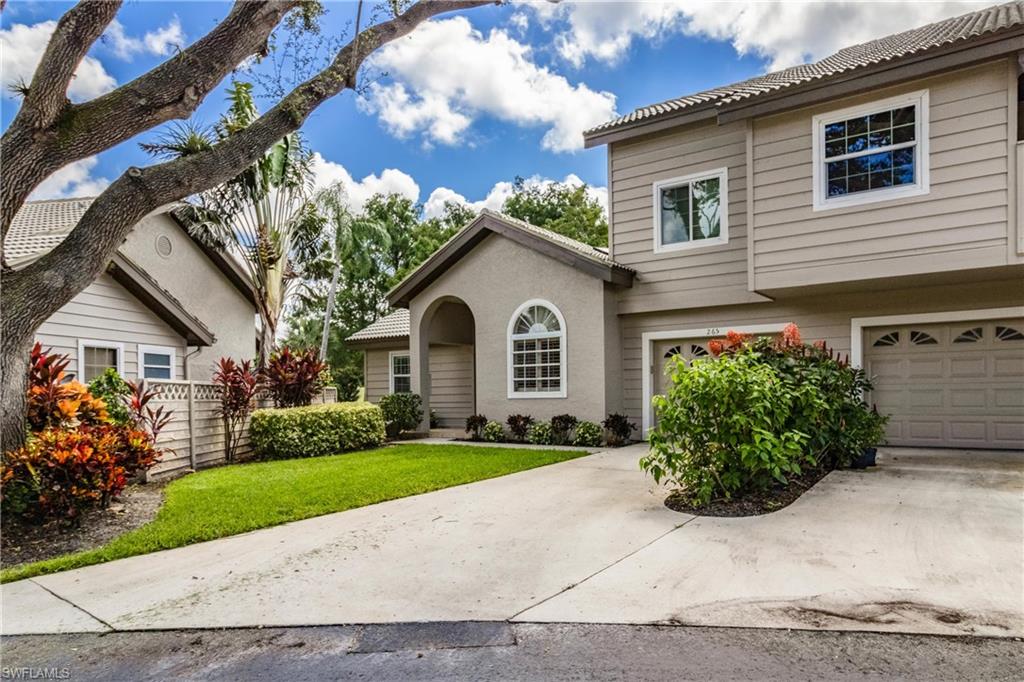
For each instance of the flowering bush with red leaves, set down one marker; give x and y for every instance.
(53, 401)
(60, 473)
(75, 456)
(293, 378)
(238, 385)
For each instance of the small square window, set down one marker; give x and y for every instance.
(691, 211)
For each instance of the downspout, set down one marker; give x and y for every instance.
(186, 368)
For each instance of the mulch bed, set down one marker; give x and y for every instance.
(137, 506)
(754, 504)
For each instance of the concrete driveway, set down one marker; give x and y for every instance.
(929, 542)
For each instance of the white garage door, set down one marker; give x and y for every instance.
(950, 385)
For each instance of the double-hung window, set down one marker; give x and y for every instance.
(874, 152)
(400, 372)
(691, 211)
(96, 357)
(156, 362)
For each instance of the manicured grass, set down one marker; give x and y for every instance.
(234, 499)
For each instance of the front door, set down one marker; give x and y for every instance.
(688, 349)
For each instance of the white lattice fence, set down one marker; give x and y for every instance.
(194, 438)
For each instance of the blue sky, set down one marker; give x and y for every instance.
(466, 104)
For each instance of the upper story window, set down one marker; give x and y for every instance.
(691, 211)
(536, 350)
(400, 372)
(873, 152)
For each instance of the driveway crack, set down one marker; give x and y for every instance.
(600, 570)
(74, 605)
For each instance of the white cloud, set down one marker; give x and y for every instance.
(22, 46)
(73, 180)
(784, 33)
(159, 42)
(446, 73)
(390, 181)
(495, 198)
(166, 40)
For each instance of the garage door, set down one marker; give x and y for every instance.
(950, 385)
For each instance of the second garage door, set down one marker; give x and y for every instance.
(950, 385)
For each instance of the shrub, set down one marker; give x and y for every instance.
(113, 391)
(588, 435)
(561, 428)
(519, 426)
(723, 428)
(494, 432)
(475, 425)
(402, 412)
(143, 416)
(315, 430)
(292, 379)
(540, 433)
(619, 429)
(238, 385)
(348, 379)
(435, 421)
(54, 402)
(60, 473)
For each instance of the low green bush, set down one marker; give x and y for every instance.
(402, 412)
(540, 433)
(494, 432)
(760, 411)
(315, 430)
(114, 391)
(588, 435)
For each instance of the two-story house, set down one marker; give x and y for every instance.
(874, 198)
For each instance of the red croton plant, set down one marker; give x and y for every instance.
(75, 456)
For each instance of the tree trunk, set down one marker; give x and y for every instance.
(330, 310)
(14, 354)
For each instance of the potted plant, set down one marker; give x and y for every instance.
(868, 431)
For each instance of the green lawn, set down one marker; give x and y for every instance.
(235, 499)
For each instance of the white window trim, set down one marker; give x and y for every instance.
(94, 343)
(162, 350)
(859, 324)
(562, 354)
(723, 233)
(821, 200)
(647, 340)
(391, 368)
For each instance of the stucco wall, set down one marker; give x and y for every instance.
(203, 289)
(493, 280)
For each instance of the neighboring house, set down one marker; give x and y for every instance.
(874, 198)
(167, 306)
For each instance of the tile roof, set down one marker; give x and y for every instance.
(394, 325)
(890, 48)
(592, 252)
(41, 225)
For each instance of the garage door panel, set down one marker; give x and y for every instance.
(957, 385)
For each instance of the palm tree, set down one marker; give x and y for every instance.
(264, 216)
(343, 233)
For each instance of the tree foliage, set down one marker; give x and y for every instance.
(560, 207)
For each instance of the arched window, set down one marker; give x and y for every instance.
(536, 352)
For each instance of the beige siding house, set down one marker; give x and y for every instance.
(874, 198)
(166, 308)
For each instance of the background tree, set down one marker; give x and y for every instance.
(49, 132)
(264, 215)
(560, 207)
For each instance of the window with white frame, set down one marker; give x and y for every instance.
(401, 373)
(873, 152)
(96, 357)
(156, 362)
(537, 352)
(691, 211)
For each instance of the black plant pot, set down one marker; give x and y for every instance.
(866, 459)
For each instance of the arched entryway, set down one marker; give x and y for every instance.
(446, 362)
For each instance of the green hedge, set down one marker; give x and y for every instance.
(315, 430)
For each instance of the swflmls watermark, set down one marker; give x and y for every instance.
(28, 673)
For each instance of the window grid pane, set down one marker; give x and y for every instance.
(536, 365)
(868, 169)
(691, 211)
(401, 374)
(96, 361)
